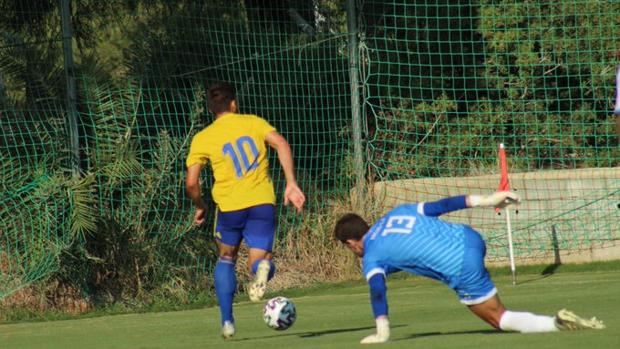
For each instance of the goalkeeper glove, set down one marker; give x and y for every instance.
(383, 332)
(498, 199)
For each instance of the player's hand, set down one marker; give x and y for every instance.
(382, 335)
(294, 195)
(498, 199)
(502, 199)
(199, 216)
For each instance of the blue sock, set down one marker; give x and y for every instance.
(225, 287)
(272, 269)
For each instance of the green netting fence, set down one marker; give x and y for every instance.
(448, 81)
(97, 112)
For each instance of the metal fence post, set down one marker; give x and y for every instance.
(358, 159)
(67, 36)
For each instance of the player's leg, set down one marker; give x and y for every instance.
(494, 313)
(228, 227)
(225, 286)
(477, 291)
(259, 235)
(262, 267)
(490, 311)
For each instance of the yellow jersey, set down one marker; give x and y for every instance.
(235, 146)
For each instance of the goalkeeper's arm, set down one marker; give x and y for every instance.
(498, 199)
(378, 300)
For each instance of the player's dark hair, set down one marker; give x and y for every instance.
(220, 96)
(350, 226)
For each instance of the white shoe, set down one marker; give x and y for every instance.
(228, 330)
(566, 320)
(259, 285)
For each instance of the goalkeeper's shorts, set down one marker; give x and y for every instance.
(475, 285)
(256, 225)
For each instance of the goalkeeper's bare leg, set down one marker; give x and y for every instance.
(494, 313)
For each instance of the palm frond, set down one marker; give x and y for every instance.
(125, 165)
(113, 115)
(84, 214)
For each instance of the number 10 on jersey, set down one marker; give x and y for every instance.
(242, 147)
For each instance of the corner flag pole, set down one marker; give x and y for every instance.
(617, 107)
(504, 185)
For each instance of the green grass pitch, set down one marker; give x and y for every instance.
(424, 314)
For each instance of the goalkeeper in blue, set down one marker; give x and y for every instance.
(411, 238)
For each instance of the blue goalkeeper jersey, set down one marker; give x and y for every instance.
(405, 239)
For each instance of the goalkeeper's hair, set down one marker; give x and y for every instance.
(220, 96)
(350, 226)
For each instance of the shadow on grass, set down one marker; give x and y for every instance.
(534, 279)
(547, 272)
(430, 334)
(312, 333)
(338, 330)
(550, 269)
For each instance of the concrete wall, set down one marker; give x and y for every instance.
(570, 214)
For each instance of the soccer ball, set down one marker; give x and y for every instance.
(279, 313)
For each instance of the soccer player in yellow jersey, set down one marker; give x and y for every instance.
(235, 144)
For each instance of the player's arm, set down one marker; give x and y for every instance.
(292, 192)
(499, 199)
(192, 187)
(378, 300)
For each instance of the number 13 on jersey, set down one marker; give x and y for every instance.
(399, 225)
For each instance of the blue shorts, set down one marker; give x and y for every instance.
(475, 285)
(256, 225)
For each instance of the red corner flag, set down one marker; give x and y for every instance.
(503, 182)
(504, 185)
